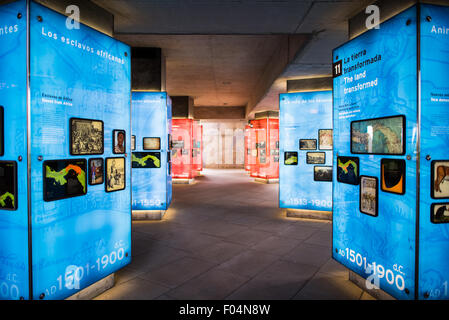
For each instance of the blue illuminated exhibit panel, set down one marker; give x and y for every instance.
(434, 156)
(13, 144)
(151, 179)
(382, 139)
(79, 155)
(305, 170)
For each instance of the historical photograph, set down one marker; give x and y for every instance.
(151, 143)
(133, 142)
(115, 174)
(393, 175)
(307, 144)
(96, 171)
(86, 137)
(316, 158)
(368, 195)
(325, 139)
(119, 141)
(440, 213)
(440, 179)
(378, 136)
(348, 170)
(323, 173)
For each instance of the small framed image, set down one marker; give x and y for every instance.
(119, 141)
(115, 174)
(133, 142)
(277, 144)
(2, 131)
(348, 169)
(291, 158)
(263, 159)
(322, 173)
(262, 145)
(369, 195)
(146, 160)
(325, 139)
(184, 152)
(276, 159)
(96, 171)
(8, 186)
(263, 153)
(392, 173)
(440, 179)
(439, 213)
(307, 144)
(64, 179)
(383, 136)
(86, 137)
(316, 157)
(177, 144)
(151, 143)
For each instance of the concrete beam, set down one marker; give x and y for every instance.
(388, 8)
(312, 84)
(91, 14)
(286, 52)
(219, 113)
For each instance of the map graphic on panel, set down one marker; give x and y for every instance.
(146, 160)
(64, 179)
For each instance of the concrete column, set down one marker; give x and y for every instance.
(147, 69)
(313, 84)
(182, 107)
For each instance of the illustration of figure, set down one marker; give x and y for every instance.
(120, 147)
(439, 215)
(442, 174)
(73, 184)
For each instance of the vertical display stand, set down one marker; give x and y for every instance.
(265, 150)
(182, 146)
(151, 176)
(305, 173)
(197, 148)
(391, 116)
(65, 198)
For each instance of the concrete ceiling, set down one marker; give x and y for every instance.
(216, 70)
(218, 50)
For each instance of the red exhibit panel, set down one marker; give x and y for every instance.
(182, 146)
(247, 148)
(197, 148)
(266, 144)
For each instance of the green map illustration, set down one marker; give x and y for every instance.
(5, 196)
(344, 166)
(291, 160)
(59, 176)
(142, 160)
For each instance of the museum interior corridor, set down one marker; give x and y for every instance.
(224, 237)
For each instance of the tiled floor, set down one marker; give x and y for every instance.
(225, 238)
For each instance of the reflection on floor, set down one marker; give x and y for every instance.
(225, 238)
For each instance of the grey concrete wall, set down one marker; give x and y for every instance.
(223, 143)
